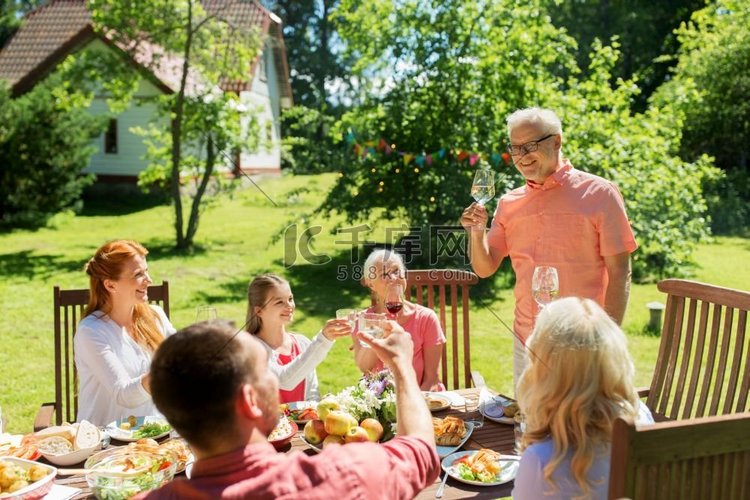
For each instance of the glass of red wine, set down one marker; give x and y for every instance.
(394, 298)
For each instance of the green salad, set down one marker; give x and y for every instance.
(466, 472)
(151, 429)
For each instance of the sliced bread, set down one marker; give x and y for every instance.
(88, 436)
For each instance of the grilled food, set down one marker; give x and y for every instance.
(449, 431)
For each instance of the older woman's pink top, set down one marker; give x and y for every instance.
(571, 222)
(424, 328)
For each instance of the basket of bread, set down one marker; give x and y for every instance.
(67, 444)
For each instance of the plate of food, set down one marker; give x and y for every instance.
(283, 433)
(450, 434)
(497, 408)
(134, 428)
(436, 401)
(300, 412)
(481, 467)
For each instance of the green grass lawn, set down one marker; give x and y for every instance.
(234, 244)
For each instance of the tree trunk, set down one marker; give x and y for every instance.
(195, 208)
(179, 105)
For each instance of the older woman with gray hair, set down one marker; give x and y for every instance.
(383, 268)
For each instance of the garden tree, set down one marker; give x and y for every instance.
(314, 51)
(321, 83)
(451, 71)
(45, 142)
(711, 87)
(644, 30)
(203, 127)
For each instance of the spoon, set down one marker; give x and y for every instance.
(439, 492)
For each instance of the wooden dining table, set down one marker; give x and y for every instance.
(492, 435)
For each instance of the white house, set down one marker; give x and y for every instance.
(52, 32)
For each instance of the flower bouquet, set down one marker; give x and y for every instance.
(374, 396)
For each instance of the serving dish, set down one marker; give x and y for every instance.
(283, 433)
(444, 451)
(36, 489)
(120, 473)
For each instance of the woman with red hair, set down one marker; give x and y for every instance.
(118, 335)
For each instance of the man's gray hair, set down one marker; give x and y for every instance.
(544, 119)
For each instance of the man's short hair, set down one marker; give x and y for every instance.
(545, 120)
(195, 376)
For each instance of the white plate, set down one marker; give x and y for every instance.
(115, 432)
(508, 468)
(444, 451)
(491, 407)
(444, 401)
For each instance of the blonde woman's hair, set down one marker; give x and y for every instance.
(545, 120)
(579, 379)
(381, 255)
(107, 264)
(257, 296)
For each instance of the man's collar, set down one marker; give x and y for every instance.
(554, 180)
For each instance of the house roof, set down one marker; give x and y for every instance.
(51, 32)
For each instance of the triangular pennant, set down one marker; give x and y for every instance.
(408, 157)
(473, 159)
(420, 160)
(441, 153)
(428, 160)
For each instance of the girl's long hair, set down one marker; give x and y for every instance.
(257, 295)
(579, 380)
(108, 263)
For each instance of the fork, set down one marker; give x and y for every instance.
(439, 492)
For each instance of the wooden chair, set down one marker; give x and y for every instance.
(69, 306)
(447, 292)
(707, 457)
(703, 366)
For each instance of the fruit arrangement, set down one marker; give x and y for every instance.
(339, 427)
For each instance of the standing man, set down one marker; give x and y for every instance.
(214, 386)
(562, 217)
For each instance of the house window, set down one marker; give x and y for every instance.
(110, 137)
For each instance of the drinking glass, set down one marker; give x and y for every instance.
(348, 314)
(483, 187)
(394, 298)
(205, 313)
(371, 323)
(519, 427)
(545, 285)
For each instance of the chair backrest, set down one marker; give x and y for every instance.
(446, 291)
(69, 306)
(707, 457)
(703, 366)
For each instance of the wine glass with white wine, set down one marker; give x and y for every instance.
(483, 187)
(545, 285)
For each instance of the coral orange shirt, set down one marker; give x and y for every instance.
(571, 222)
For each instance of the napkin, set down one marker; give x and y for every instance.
(455, 398)
(60, 492)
